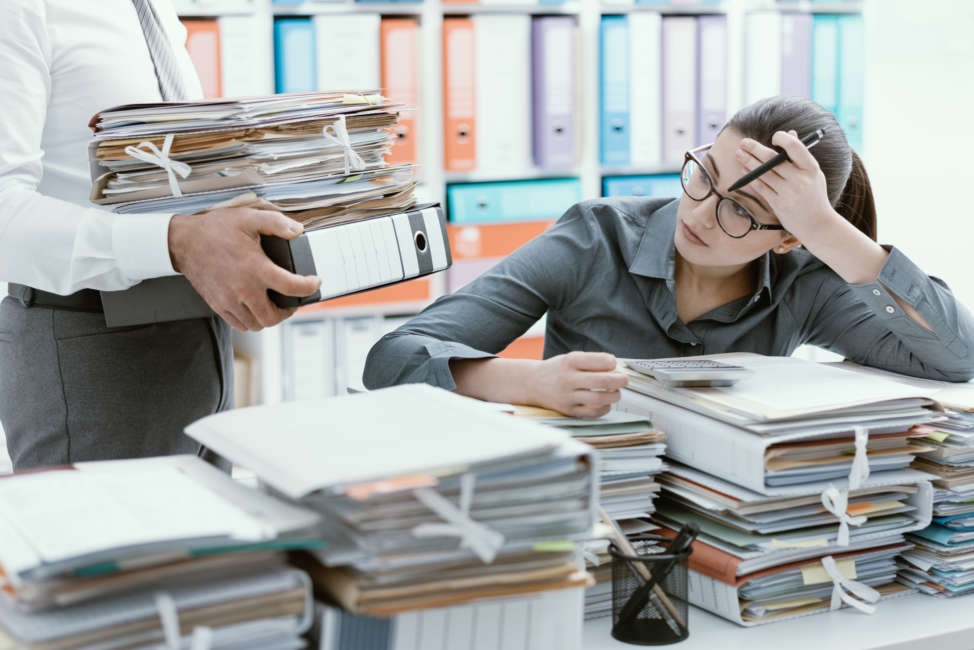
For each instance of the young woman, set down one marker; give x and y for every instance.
(790, 258)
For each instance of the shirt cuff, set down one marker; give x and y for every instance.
(441, 353)
(901, 276)
(140, 243)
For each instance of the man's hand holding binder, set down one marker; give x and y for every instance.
(220, 254)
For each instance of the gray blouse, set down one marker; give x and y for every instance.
(604, 275)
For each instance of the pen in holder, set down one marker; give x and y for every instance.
(649, 591)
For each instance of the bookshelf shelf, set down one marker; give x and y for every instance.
(317, 9)
(464, 9)
(488, 176)
(215, 8)
(203, 12)
(810, 7)
(638, 171)
(694, 10)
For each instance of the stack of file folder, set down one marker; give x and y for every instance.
(315, 156)
(428, 499)
(630, 455)
(512, 623)
(799, 465)
(149, 552)
(630, 452)
(318, 157)
(942, 562)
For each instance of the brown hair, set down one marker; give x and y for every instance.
(846, 181)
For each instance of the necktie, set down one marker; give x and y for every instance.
(168, 73)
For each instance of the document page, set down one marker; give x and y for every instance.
(66, 514)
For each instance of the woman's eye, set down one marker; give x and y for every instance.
(741, 212)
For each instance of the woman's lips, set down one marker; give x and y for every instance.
(692, 238)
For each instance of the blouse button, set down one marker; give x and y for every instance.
(876, 292)
(889, 309)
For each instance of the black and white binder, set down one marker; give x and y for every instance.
(349, 258)
(364, 255)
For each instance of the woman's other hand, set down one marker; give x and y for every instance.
(578, 384)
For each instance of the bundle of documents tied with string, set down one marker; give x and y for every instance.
(429, 499)
(942, 560)
(630, 451)
(799, 478)
(157, 552)
(317, 157)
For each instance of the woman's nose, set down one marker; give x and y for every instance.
(704, 212)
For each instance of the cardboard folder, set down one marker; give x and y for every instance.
(680, 77)
(459, 95)
(553, 91)
(203, 44)
(399, 58)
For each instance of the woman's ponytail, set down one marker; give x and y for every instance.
(856, 203)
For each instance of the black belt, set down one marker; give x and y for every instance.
(85, 300)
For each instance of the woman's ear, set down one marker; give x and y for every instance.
(788, 242)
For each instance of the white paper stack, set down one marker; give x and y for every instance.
(630, 455)
(630, 450)
(429, 499)
(942, 560)
(795, 464)
(140, 552)
(319, 157)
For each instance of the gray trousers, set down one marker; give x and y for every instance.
(72, 389)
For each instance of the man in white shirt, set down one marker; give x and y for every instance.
(72, 389)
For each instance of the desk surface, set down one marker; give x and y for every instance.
(914, 621)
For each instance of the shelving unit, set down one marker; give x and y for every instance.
(267, 346)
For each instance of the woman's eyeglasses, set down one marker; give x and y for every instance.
(732, 217)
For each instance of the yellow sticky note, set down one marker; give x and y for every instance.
(352, 99)
(807, 543)
(938, 436)
(815, 574)
(789, 604)
(554, 546)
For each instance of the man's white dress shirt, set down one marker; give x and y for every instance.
(62, 61)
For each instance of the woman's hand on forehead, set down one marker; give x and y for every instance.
(795, 190)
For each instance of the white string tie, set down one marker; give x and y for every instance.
(859, 471)
(591, 557)
(202, 637)
(840, 585)
(480, 539)
(150, 153)
(837, 502)
(170, 620)
(338, 135)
